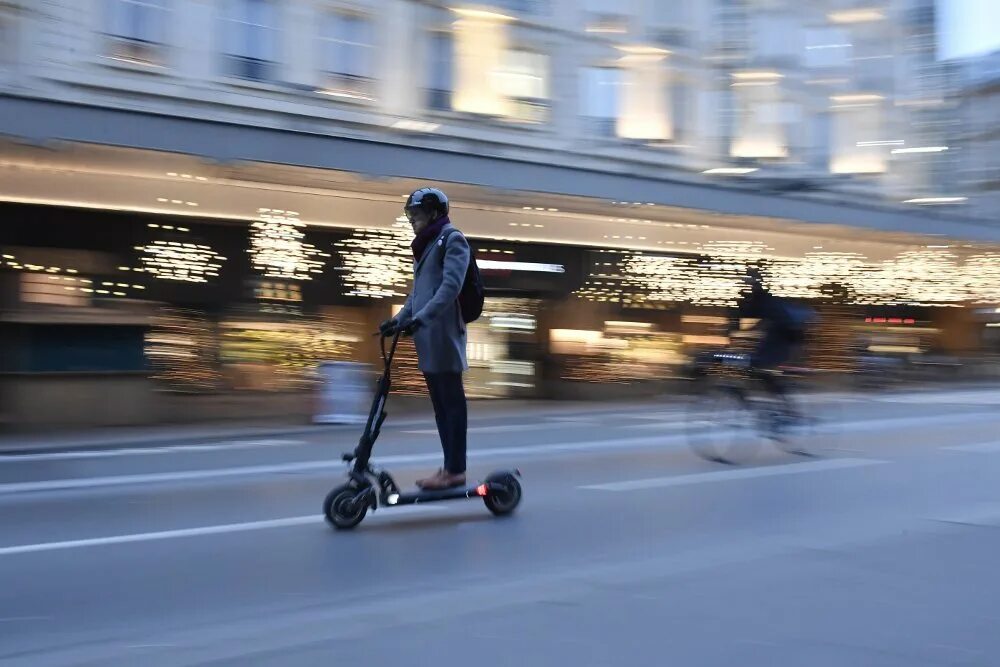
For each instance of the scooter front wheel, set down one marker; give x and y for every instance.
(341, 509)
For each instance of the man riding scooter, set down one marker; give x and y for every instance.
(432, 315)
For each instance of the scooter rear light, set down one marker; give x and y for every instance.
(481, 490)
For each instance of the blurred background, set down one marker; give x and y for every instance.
(201, 200)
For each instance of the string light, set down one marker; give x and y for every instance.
(982, 275)
(377, 263)
(931, 276)
(180, 347)
(277, 247)
(179, 261)
(292, 350)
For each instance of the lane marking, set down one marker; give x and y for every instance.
(979, 447)
(981, 397)
(315, 466)
(306, 520)
(670, 426)
(147, 451)
(983, 514)
(609, 419)
(661, 416)
(163, 535)
(726, 475)
(506, 428)
(528, 451)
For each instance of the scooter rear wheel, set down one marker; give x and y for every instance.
(502, 501)
(341, 510)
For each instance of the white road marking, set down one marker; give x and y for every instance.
(311, 519)
(669, 426)
(959, 397)
(660, 416)
(152, 478)
(505, 428)
(147, 451)
(527, 451)
(863, 425)
(726, 475)
(163, 535)
(314, 466)
(976, 515)
(979, 447)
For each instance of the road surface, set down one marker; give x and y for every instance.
(627, 548)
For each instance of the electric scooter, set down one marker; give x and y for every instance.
(369, 488)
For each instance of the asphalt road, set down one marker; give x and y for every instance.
(878, 550)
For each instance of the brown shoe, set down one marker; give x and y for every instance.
(433, 479)
(443, 480)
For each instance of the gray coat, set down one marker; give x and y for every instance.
(437, 279)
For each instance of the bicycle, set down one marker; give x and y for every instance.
(730, 415)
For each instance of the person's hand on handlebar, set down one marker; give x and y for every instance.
(406, 328)
(388, 328)
(409, 326)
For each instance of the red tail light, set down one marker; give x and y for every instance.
(481, 490)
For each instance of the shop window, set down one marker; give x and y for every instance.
(84, 348)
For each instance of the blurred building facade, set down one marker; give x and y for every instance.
(204, 195)
(831, 94)
(977, 135)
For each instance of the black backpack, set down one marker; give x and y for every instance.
(472, 295)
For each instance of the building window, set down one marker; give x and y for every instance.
(524, 80)
(137, 30)
(6, 42)
(680, 108)
(348, 50)
(251, 32)
(599, 95)
(440, 75)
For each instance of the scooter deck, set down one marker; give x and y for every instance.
(458, 493)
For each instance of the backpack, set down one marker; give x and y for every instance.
(472, 295)
(799, 317)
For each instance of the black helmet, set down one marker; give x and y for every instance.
(431, 200)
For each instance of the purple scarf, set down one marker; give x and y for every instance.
(429, 233)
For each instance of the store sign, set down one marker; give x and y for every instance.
(533, 267)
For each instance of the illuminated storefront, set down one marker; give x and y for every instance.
(206, 306)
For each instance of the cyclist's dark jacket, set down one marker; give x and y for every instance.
(773, 312)
(780, 328)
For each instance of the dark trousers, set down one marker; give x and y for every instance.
(451, 414)
(775, 349)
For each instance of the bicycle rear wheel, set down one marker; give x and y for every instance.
(813, 429)
(721, 424)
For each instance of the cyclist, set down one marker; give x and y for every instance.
(783, 325)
